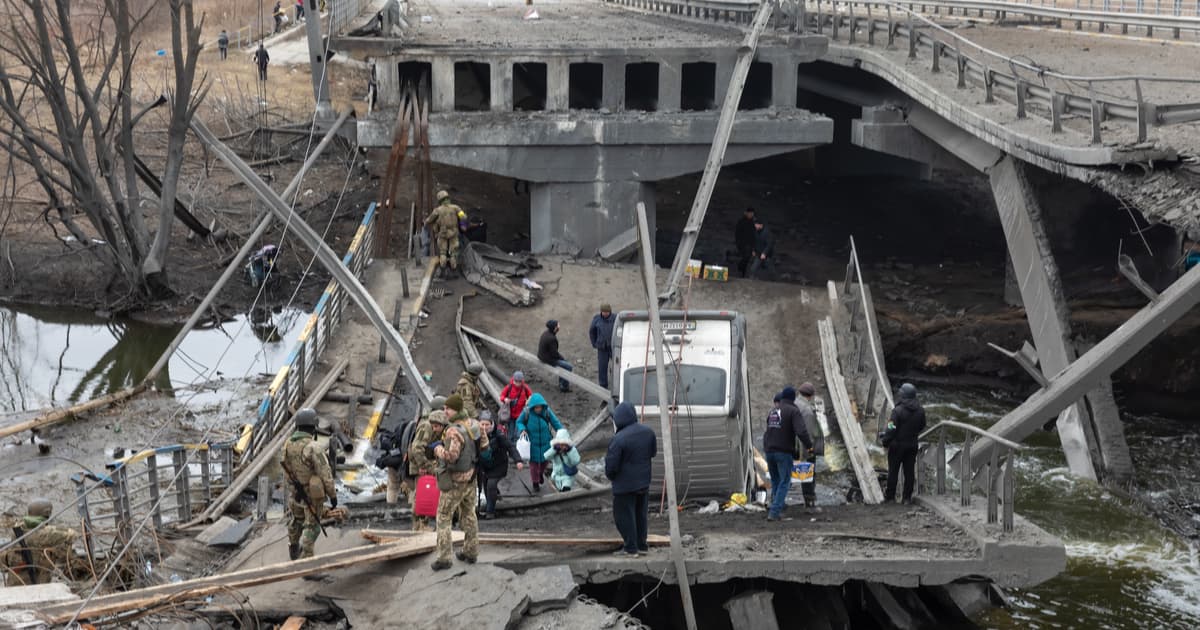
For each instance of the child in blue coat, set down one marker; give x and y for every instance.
(565, 457)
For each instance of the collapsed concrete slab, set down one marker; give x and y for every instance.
(550, 588)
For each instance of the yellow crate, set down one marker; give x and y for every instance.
(693, 268)
(716, 272)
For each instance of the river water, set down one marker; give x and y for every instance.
(1124, 569)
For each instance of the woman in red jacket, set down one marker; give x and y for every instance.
(512, 399)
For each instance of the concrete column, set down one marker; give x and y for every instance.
(613, 96)
(670, 87)
(724, 74)
(783, 84)
(1046, 310)
(388, 76)
(502, 85)
(558, 79)
(443, 84)
(579, 217)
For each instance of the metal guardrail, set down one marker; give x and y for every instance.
(860, 311)
(1070, 96)
(997, 476)
(287, 390)
(1064, 12)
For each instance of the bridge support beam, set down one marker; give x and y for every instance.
(1084, 432)
(579, 217)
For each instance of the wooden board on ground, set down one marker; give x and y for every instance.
(856, 444)
(174, 593)
(293, 623)
(525, 538)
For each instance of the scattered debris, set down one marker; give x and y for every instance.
(492, 269)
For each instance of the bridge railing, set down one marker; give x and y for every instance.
(864, 331)
(1069, 11)
(997, 477)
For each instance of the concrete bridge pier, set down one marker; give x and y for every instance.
(574, 217)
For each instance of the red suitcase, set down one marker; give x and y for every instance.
(427, 495)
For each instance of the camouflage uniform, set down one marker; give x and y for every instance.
(468, 389)
(307, 463)
(418, 460)
(49, 549)
(444, 221)
(457, 456)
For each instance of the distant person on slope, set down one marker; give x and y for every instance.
(744, 236)
(548, 352)
(600, 333)
(261, 59)
(223, 44)
(764, 249)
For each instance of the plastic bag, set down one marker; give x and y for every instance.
(523, 447)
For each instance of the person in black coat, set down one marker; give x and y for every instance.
(493, 462)
(600, 334)
(764, 248)
(909, 419)
(628, 465)
(744, 236)
(785, 424)
(548, 352)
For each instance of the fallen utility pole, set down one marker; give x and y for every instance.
(182, 212)
(324, 254)
(1081, 376)
(523, 538)
(174, 593)
(685, 589)
(716, 154)
(530, 358)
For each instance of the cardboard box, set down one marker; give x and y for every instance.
(694, 268)
(716, 272)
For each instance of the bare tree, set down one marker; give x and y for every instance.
(83, 161)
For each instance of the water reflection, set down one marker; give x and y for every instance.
(52, 357)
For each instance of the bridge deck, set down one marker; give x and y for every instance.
(563, 24)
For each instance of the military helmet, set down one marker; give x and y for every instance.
(437, 403)
(306, 417)
(438, 416)
(40, 507)
(441, 194)
(475, 368)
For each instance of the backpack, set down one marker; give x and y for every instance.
(393, 445)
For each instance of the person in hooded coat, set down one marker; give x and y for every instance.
(909, 419)
(628, 466)
(538, 424)
(563, 455)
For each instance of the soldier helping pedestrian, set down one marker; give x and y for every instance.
(40, 549)
(786, 425)
(443, 224)
(310, 482)
(457, 455)
(420, 460)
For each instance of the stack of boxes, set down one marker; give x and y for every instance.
(698, 269)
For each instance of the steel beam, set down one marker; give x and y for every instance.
(1098, 363)
(324, 254)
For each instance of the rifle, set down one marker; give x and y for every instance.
(302, 493)
(26, 554)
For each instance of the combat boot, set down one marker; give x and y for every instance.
(439, 565)
(294, 551)
(465, 558)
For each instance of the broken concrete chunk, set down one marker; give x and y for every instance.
(550, 588)
(211, 532)
(478, 596)
(234, 534)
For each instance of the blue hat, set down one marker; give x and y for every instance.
(788, 393)
(551, 324)
(778, 397)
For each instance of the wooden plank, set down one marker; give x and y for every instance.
(716, 154)
(560, 497)
(524, 538)
(293, 623)
(646, 242)
(142, 599)
(856, 445)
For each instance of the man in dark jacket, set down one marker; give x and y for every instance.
(600, 333)
(909, 419)
(764, 248)
(807, 391)
(785, 425)
(744, 235)
(548, 353)
(493, 462)
(627, 466)
(261, 59)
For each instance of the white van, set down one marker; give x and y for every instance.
(706, 384)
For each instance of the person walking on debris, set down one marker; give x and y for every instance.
(563, 455)
(548, 353)
(809, 489)
(468, 389)
(600, 333)
(493, 463)
(537, 424)
(764, 249)
(41, 549)
(420, 463)
(744, 236)
(512, 400)
(627, 465)
(311, 481)
(299, 10)
(457, 455)
(223, 44)
(908, 419)
(261, 59)
(277, 13)
(443, 222)
(785, 425)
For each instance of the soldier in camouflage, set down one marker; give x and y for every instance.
(457, 455)
(444, 224)
(44, 551)
(468, 389)
(307, 473)
(420, 463)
